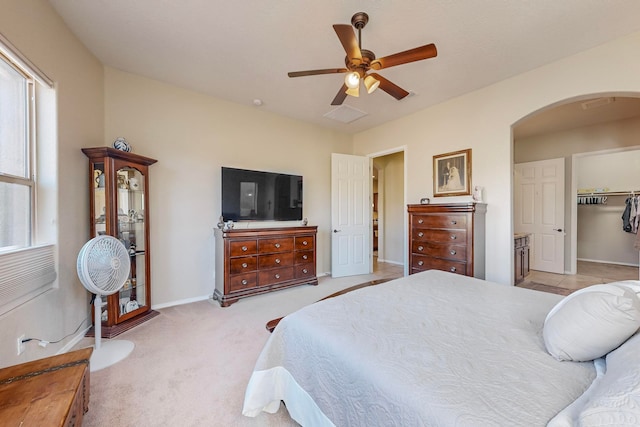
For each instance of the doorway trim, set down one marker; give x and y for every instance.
(381, 220)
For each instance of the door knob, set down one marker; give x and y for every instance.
(336, 231)
(557, 229)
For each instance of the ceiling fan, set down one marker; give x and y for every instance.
(359, 62)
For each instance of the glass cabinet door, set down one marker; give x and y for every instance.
(131, 232)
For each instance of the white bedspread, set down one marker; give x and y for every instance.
(430, 349)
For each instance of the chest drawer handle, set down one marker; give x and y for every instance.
(420, 221)
(277, 260)
(305, 271)
(454, 222)
(305, 257)
(420, 263)
(244, 281)
(452, 252)
(277, 276)
(304, 243)
(245, 249)
(452, 269)
(420, 234)
(245, 265)
(420, 248)
(453, 237)
(278, 245)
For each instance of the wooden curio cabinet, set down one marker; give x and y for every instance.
(119, 207)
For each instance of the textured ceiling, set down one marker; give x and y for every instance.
(242, 50)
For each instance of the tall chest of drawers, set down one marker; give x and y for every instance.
(448, 237)
(255, 261)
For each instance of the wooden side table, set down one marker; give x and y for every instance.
(47, 392)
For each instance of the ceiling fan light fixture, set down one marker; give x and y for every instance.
(352, 80)
(353, 91)
(371, 84)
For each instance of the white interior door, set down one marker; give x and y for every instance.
(350, 215)
(539, 210)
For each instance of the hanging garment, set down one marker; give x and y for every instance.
(626, 215)
(635, 214)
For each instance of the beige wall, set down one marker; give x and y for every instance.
(598, 235)
(37, 31)
(192, 136)
(391, 210)
(482, 121)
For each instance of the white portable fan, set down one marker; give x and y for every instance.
(103, 268)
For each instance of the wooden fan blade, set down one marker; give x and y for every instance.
(341, 96)
(411, 55)
(349, 42)
(391, 88)
(315, 72)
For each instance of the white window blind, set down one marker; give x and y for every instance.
(25, 273)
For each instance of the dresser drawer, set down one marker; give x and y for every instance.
(283, 244)
(275, 260)
(304, 242)
(305, 270)
(243, 281)
(243, 264)
(304, 257)
(439, 221)
(243, 247)
(440, 250)
(440, 236)
(423, 262)
(276, 275)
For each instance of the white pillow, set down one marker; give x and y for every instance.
(614, 397)
(591, 322)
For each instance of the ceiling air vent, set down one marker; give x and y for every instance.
(345, 114)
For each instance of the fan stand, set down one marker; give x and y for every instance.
(111, 352)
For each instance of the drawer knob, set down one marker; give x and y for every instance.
(305, 271)
(452, 269)
(277, 245)
(420, 263)
(277, 260)
(452, 252)
(245, 249)
(420, 234)
(245, 265)
(244, 281)
(453, 237)
(454, 222)
(420, 248)
(277, 276)
(420, 221)
(304, 243)
(305, 256)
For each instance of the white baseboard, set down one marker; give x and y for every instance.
(76, 339)
(180, 302)
(390, 262)
(599, 261)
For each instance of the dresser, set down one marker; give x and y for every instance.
(448, 237)
(255, 261)
(53, 391)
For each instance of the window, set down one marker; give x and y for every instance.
(27, 263)
(16, 172)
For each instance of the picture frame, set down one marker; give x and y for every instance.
(452, 174)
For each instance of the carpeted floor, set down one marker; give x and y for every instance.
(191, 364)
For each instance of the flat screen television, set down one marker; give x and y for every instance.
(249, 195)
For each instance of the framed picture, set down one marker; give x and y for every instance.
(452, 174)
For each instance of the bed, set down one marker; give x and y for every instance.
(440, 349)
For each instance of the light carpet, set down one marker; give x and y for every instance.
(191, 364)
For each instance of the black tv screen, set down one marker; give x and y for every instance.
(249, 195)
